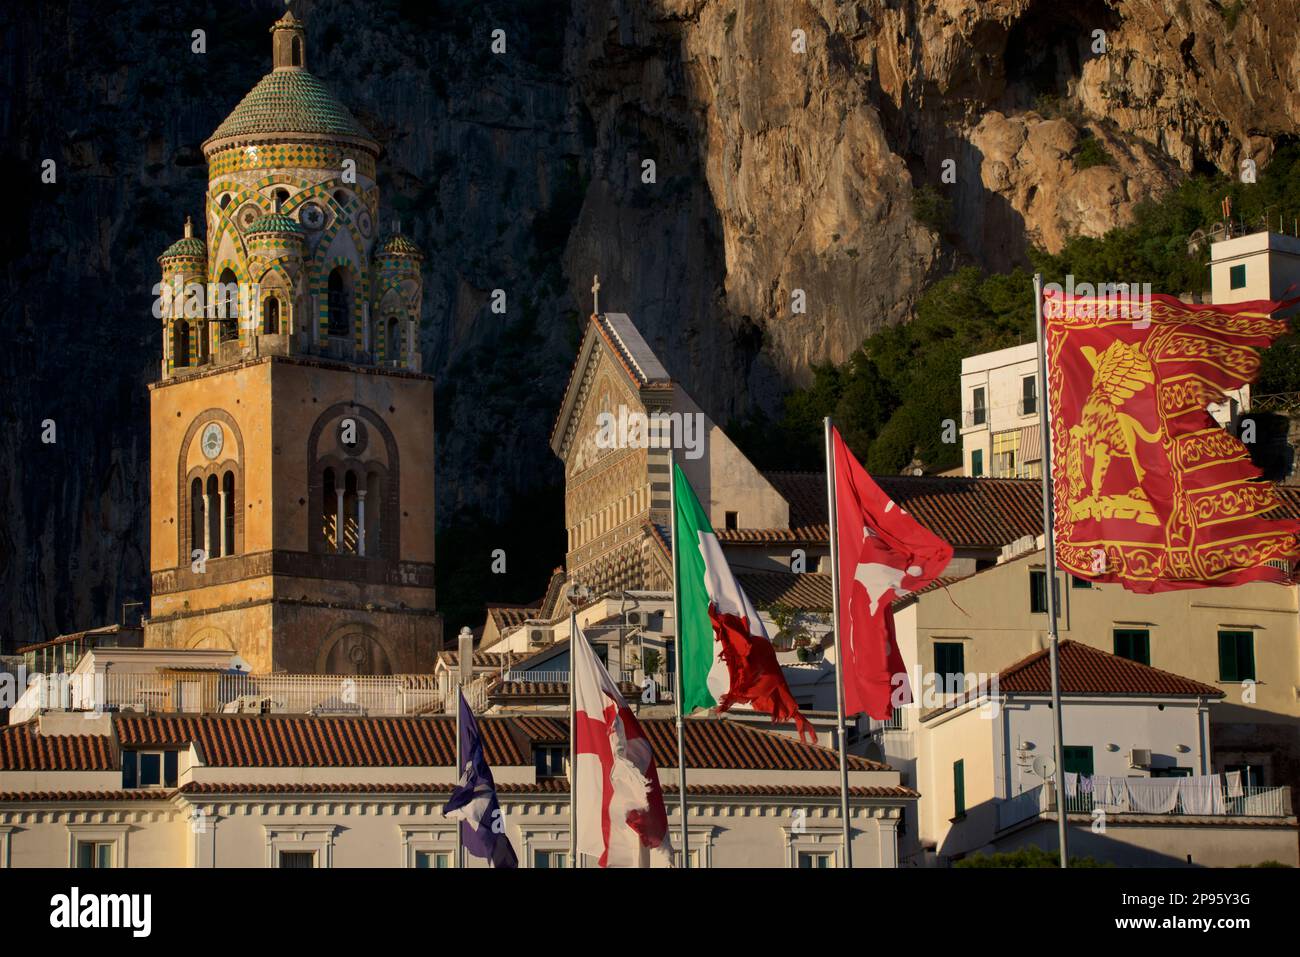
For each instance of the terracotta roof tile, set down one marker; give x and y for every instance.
(137, 794)
(965, 512)
(1088, 670)
(23, 748)
(808, 592)
(240, 740)
(558, 786)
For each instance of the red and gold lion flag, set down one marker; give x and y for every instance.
(1149, 490)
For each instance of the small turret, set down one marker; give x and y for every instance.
(184, 270)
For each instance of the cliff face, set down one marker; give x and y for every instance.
(775, 171)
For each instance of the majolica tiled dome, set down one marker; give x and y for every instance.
(399, 245)
(290, 101)
(274, 223)
(189, 247)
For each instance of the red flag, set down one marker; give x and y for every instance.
(884, 554)
(1149, 490)
(621, 813)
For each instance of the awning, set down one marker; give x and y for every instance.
(1031, 443)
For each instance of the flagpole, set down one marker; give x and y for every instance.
(1049, 543)
(573, 733)
(460, 758)
(839, 653)
(677, 691)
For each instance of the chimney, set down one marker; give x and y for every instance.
(465, 652)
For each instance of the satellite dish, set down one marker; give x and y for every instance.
(1043, 767)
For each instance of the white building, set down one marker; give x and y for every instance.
(1258, 266)
(1001, 396)
(1000, 401)
(302, 791)
(1137, 757)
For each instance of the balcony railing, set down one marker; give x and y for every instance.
(1194, 800)
(220, 691)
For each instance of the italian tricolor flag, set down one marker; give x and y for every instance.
(726, 655)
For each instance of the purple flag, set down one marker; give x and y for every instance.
(474, 800)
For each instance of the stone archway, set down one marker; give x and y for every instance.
(353, 651)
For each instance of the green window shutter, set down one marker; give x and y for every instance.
(1227, 657)
(1078, 760)
(1237, 277)
(1133, 644)
(959, 788)
(977, 463)
(1236, 656)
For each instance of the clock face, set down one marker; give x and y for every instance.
(213, 440)
(311, 216)
(363, 223)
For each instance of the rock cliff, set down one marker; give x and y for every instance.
(797, 146)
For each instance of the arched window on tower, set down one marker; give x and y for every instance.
(350, 513)
(329, 511)
(228, 305)
(212, 512)
(228, 514)
(196, 516)
(181, 344)
(225, 201)
(271, 316)
(338, 303)
(281, 197)
(393, 350)
(295, 57)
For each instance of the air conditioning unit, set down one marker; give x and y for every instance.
(537, 637)
(1139, 758)
(634, 618)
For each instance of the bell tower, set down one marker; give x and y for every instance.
(292, 510)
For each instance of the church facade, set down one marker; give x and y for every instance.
(292, 494)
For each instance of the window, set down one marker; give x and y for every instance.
(1006, 448)
(1038, 592)
(978, 411)
(958, 789)
(1252, 775)
(1079, 582)
(432, 859)
(295, 860)
(296, 55)
(1029, 396)
(1078, 760)
(281, 197)
(1237, 277)
(731, 521)
(1236, 656)
(227, 541)
(96, 854)
(337, 299)
(227, 293)
(553, 859)
(695, 856)
(1133, 644)
(950, 665)
(181, 344)
(816, 859)
(977, 463)
(149, 769)
(548, 760)
(271, 316)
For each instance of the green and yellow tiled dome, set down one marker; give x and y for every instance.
(399, 245)
(189, 247)
(290, 101)
(274, 223)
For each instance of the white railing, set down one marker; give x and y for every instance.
(220, 691)
(1200, 800)
(562, 677)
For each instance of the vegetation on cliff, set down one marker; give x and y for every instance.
(892, 396)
